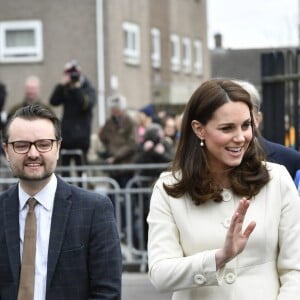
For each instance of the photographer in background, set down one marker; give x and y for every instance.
(154, 149)
(78, 98)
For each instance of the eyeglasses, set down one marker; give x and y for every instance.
(23, 147)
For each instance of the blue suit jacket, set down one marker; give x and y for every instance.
(84, 257)
(282, 155)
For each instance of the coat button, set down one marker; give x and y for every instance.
(230, 277)
(226, 222)
(227, 196)
(199, 279)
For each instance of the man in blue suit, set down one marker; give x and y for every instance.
(78, 252)
(275, 152)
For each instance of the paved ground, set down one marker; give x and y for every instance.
(137, 286)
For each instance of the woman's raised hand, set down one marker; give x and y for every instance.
(236, 239)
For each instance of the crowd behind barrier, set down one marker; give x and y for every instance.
(131, 202)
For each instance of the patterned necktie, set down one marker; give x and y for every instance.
(26, 288)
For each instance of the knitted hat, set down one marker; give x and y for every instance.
(148, 110)
(117, 101)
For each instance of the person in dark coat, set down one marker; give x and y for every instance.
(119, 138)
(155, 148)
(275, 152)
(77, 96)
(283, 155)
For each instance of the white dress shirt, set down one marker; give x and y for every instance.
(43, 211)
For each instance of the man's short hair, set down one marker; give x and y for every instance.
(34, 112)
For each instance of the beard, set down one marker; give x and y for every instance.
(32, 178)
(43, 172)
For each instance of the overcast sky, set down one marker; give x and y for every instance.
(254, 23)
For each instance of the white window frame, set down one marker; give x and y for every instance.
(198, 57)
(187, 55)
(175, 52)
(156, 48)
(23, 54)
(131, 49)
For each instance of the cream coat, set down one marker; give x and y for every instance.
(183, 239)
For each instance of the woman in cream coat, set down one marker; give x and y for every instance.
(206, 240)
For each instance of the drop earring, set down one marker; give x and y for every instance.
(201, 143)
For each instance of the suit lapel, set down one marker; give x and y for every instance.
(61, 209)
(11, 229)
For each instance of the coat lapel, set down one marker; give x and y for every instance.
(61, 209)
(12, 232)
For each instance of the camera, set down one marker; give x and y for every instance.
(152, 135)
(73, 70)
(155, 139)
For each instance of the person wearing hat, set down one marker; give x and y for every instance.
(144, 119)
(119, 138)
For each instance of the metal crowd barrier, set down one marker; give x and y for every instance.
(131, 203)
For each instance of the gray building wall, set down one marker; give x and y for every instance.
(243, 64)
(133, 80)
(160, 78)
(188, 19)
(70, 31)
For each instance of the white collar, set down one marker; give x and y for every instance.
(45, 196)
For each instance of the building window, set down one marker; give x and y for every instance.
(131, 49)
(156, 48)
(175, 52)
(186, 55)
(198, 58)
(21, 41)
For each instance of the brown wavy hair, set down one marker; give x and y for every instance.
(190, 166)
